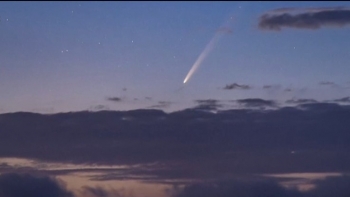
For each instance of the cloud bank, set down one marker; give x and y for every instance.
(19, 185)
(337, 186)
(191, 143)
(312, 18)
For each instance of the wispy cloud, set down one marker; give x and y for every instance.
(344, 100)
(99, 192)
(234, 86)
(257, 102)
(98, 108)
(161, 105)
(326, 83)
(310, 18)
(301, 101)
(209, 104)
(114, 99)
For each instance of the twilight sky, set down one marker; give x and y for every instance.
(72, 56)
(266, 113)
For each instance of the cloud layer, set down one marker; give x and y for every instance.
(19, 185)
(312, 18)
(338, 186)
(192, 143)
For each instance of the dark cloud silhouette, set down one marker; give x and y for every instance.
(288, 90)
(330, 187)
(99, 192)
(313, 18)
(327, 107)
(190, 143)
(237, 188)
(234, 86)
(267, 86)
(271, 86)
(344, 100)
(271, 89)
(114, 99)
(208, 101)
(256, 102)
(317, 9)
(301, 101)
(19, 185)
(98, 108)
(208, 105)
(30, 185)
(162, 105)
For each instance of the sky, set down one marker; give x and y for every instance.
(73, 56)
(94, 104)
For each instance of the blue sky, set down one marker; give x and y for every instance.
(69, 56)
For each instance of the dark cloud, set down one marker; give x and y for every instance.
(327, 107)
(288, 90)
(330, 187)
(290, 9)
(98, 108)
(100, 192)
(114, 99)
(237, 188)
(271, 86)
(19, 185)
(256, 102)
(312, 18)
(208, 105)
(344, 100)
(162, 105)
(30, 185)
(237, 86)
(189, 143)
(301, 101)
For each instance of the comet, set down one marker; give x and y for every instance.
(202, 56)
(208, 48)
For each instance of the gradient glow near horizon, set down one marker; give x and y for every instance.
(70, 56)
